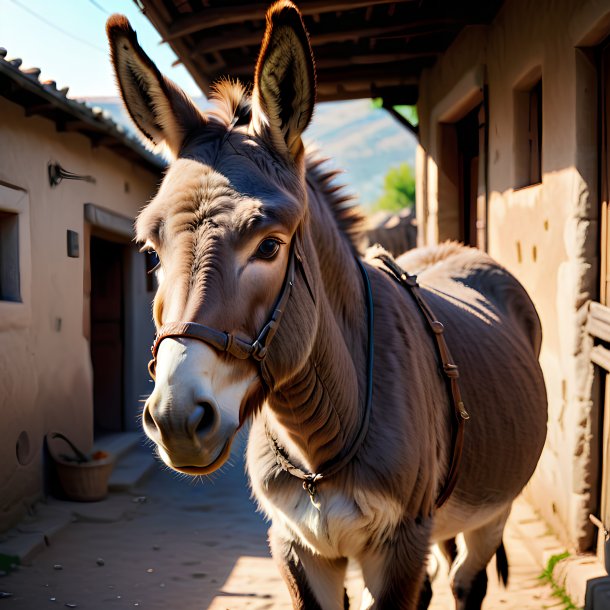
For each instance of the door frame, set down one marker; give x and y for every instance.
(111, 226)
(444, 214)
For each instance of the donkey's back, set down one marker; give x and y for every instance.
(494, 335)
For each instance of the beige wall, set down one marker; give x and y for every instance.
(546, 234)
(45, 365)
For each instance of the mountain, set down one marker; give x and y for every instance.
(360, 139)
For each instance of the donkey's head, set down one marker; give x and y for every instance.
(227, 224)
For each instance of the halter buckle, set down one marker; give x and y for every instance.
(259, 351)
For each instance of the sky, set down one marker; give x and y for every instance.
(66, 39)
(78, 56)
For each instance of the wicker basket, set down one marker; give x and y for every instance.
(87, 481)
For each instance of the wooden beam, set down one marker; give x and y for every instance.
(414, 129)
(398, 96)
(406, 95)
(601, 356)
(41, 108)
(242, 36)
(598, 321)
(76, 125)
(155, 16)
(213, 17)
(330, 81)
(107, 141)
(403, 73)
(327, 63)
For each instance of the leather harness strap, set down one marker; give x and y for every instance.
(450, 369)
(332, 467)
(226, 342)
(239, 348)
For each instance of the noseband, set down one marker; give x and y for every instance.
(227, 342)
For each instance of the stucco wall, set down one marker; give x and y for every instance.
(45, 364)
(546, 234)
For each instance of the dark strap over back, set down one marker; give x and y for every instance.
(450, 369)
(329, 469)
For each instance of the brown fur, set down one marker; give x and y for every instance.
(235, 180)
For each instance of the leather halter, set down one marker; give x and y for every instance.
(240, 348)
(224, 341)
(450, 369)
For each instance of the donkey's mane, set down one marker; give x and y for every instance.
(347, 213)
(233, 106)
(232, 102)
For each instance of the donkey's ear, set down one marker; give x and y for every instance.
(160, 109)
(285, 77)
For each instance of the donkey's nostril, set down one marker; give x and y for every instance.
(202, 419)
(207, 418)
(148, 418)
(150, 425)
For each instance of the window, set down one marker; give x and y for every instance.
(9, 257)
(15, 258)
(528, 135)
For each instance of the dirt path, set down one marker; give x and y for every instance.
(183, 545)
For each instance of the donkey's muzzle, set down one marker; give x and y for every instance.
(187, 437)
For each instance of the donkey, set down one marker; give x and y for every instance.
(267, 314)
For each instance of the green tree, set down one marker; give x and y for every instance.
(398, 190)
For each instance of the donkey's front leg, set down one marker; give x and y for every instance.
(394, 572)
(314, 582)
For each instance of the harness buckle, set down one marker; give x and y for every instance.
(437, 327)
(462, 409)
(309, 485)
(259, 351)
(409, 280)
(451, 370)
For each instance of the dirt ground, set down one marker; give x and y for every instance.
(181, 544)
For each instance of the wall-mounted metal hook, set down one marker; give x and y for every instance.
(57, 173)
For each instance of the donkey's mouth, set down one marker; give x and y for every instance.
(219, 461)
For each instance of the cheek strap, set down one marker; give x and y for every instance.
(223, 341)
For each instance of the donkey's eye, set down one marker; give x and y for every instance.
(268, 248)
(153, 263)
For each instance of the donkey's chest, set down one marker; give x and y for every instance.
(338, 525)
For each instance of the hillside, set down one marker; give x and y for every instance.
(360, 139)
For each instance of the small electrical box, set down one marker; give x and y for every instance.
(73, 249)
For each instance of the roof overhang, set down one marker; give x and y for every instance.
(44, 99)
(362, 49)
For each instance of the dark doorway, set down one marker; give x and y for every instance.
(467, 130)
(107, 332)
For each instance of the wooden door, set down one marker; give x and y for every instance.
(604, 89)
(468, 167)
(599, 315)
(107, 326)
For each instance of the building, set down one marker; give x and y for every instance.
(513, 159)
(74, 293)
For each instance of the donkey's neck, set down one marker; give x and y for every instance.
(317, 415)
